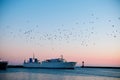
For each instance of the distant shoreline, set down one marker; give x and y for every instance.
(100, 67)
(20, 66)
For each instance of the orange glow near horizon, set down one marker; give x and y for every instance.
(91, 56)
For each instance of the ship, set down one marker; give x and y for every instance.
(56, 63)
(3, 65)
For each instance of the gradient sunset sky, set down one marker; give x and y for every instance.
(80, 30)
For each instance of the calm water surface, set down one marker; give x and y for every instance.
(60, 74)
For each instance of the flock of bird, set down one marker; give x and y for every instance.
(60, 36)
(63, 35)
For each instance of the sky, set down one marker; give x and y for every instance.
(80, 30)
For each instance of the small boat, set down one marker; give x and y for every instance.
(57, 63)
(3, 65)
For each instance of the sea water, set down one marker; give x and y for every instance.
(60, 74)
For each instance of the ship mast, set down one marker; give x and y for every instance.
(61, 56)
(33, 56)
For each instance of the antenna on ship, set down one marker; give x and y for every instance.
(61, 56)
(33, 56)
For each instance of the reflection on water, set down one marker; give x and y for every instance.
(60, 74)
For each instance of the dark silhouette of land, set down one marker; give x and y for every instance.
(20, 66)
(15, 66)
(100, 67)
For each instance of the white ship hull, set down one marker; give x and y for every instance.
(60, 65)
